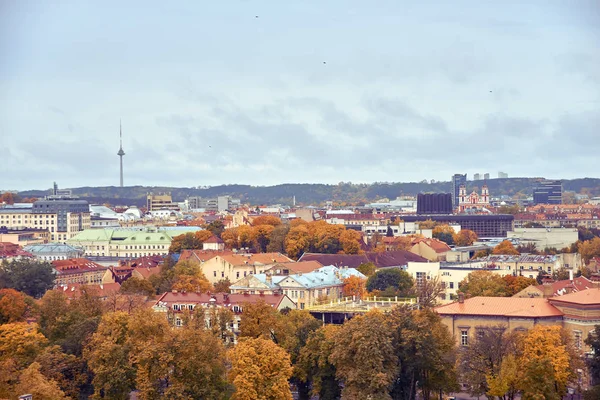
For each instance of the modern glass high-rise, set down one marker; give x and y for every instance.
(547, 192)
(457, 181)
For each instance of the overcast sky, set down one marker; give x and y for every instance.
(268, 92)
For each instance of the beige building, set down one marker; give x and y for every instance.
(24, 237)
(431, 249)
(545, 237)
(323, 284)
(237, 266)
(176, 304)
(577, 312)
(161, 201)
(78, 270)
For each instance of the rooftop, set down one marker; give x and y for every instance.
(583, 297)
(501, 306)
(384, 259)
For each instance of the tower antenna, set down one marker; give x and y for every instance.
(121, 153)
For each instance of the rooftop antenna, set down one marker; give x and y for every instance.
(121, 153)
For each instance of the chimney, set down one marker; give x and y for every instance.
(461, 298)
(548, 290)
(571, 275)
(269, 278)
(173, 291)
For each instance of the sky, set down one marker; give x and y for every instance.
(310, 91)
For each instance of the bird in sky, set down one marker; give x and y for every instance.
(324, 62)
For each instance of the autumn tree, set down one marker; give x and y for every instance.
(514, 284)
(403, 243)
(259, 320)
(364, 357)
(367, 269)
(314, 367)
(13, 307)
(277, 239)
(481, 362)
(429, 291)
(186, 241)
(230, 238)
(528, 248)
(137, 286)
(350, 241)
(261, 236)
(424, 348)
(483, 283)
(32, 381)
(589, 249)
(260, 369)
(297, 241)
(505, 248)
(465, 237)
(354, 286)
(190, 278)
(68, 371)
(445, 233)
(222, 286)
(294, 331)
(546, 363)
(107, 354)
(31, 277)
(266, 220)
(391, 281)
(216, 228)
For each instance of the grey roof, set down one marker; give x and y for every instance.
(51, 248)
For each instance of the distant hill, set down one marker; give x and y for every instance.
(315, 193)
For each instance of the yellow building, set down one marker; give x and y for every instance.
(161, 201)
(237, 266)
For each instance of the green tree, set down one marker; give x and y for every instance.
(593, 340)
(277, 239)
(260, 369)
(313, 366)
(30, 277)
(137, 286)
(222, 286)
(367, 269)
(394, 280)
(364, 357)
(425, 351)
(483, 283)
(216, 228)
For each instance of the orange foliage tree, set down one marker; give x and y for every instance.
(354, 286)
(266, 220)
(465, 237)
(505, 248)
(12, 306)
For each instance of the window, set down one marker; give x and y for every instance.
(578, 341)
(464, 337)
(176, 307)
(237, 275)
(302, 294)
(222, 274)
(215, 273)
(451, 285)
(302, 306)
(178, 322)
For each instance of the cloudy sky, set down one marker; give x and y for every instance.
(268, 92)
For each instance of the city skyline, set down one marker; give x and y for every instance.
(310, 92)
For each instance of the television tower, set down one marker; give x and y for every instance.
(121, 153)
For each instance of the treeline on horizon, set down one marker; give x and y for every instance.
(307, 194)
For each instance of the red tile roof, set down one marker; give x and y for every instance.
(73, 290)
(76, 266)
(501, 306)
(300, 266)
(222, 299)
(213, 239)
(252, 259)
(202, 255)
(560, 288)
(8, 249)
(437, 245)
(380, 259)
(584, 297)
(147, 272)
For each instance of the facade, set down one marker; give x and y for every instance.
(78, 270)
(473, 202)
(218, 204)
(458, 180)
(213, 243)
(176, 304)
(557, 238)
(62, 217)
(103, 222)
(431, 249)
(577, 313)
(434, 203)
(53, 251)
(127, 243)
(160, 202)
(24, 237)
(237, 266)
(323, 284)
(484, 225)
(548, 192)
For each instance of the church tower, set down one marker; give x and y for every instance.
(485, 194)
